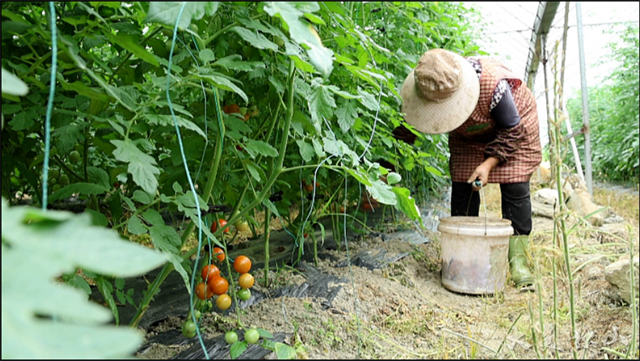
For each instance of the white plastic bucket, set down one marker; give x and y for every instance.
(475, 254)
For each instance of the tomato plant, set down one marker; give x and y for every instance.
(189, 329)
(242, 264)
(245, 280)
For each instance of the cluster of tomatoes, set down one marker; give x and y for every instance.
(240, 225)
(214, 284)
(244, 111)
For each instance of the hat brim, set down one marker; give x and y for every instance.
(432, 117)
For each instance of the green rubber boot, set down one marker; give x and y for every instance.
(520, 273)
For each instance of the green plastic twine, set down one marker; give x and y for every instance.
(52, 93)
(184, 161)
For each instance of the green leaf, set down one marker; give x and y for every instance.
(134, 226)
(347, 114)
(393, 178)
(141, 166)
(272, 207)
(84, 90)
(234, 62)
(97, 218)
(142, 197)
(80, 283)
(165, 238)
(406, 204)
(260, 147)
(237, 349)
(285, 352)
(12, 85)
(152, 216)
(256, 39)
(176, 260)
(56, 243)
(222, 82)
(306, 150)
(105, 288)
(98, 176)
(207, 56)
(166, 13)
(321, 103)
(303, 32)
(132, 46)
(80, 187)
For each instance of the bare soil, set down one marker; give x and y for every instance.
(403, 311)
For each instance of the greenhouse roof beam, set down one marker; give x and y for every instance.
(544, 17)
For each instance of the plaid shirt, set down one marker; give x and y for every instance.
(518, 148)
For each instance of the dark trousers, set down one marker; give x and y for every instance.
(516, 204)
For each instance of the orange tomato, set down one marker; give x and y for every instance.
(203, 292)
(242, 264)
(218, 285)
(221, 222)
(231, 108)
(218, 253)
(210, 271)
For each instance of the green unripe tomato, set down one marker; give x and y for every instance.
(278, 41)
(194, 28)
(56, 187)
(244, 294)
(252, 335)
(54, 174)
(74, 157)
(231, 337)
(64, 180)
(189, 329)
(393, 178)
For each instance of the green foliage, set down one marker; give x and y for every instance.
(613, 114)
(318, 81)
(42, 318)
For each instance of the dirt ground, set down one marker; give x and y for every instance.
(403, 311)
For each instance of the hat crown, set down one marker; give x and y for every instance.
(438, 75)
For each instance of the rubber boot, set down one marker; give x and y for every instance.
(520, 273)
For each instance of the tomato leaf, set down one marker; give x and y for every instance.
(134, 226)
(167, 120)
(321, 103)
(260, 147)
(12, 85)
(406, 204)
(176, 261)
(56, 243)
(285, 352)
(165, 238)
(132, 46)
(237, 349)
(347, 114)
(141, 166)
(80, 187)
(234, 62)
(306, 150)
(166, 13)
(256, 39)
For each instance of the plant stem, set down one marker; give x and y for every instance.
(267, 234)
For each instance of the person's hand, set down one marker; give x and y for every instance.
(481, 173)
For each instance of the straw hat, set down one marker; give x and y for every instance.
(440, 93)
